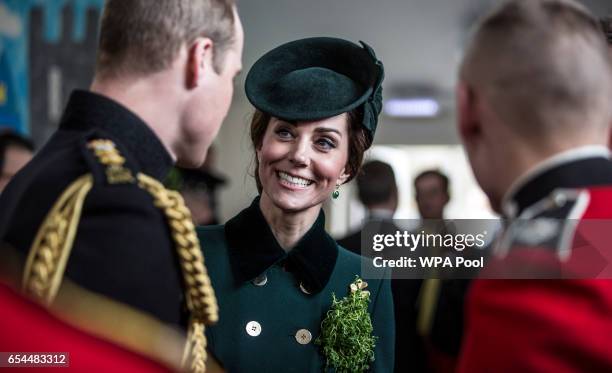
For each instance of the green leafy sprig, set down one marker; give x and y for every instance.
(174, 179)
(346, 332)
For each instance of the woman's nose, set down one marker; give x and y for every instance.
(299, 154)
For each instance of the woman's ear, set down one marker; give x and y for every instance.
(343, 177)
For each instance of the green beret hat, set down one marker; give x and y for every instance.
(317, 78)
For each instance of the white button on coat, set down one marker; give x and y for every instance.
(260, 280)
(253, 328)
(303, 289)
(303, 336)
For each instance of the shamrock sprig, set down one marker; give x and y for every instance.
(346, 336)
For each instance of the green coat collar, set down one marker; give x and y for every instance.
(253, 249)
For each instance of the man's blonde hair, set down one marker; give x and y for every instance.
(543, 66)
(145, 36)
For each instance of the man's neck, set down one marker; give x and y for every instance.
(150, 99)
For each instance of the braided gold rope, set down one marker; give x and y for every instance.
(46, 262)
(201, 300)
(195, 348)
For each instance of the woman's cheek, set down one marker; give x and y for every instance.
(331, 168)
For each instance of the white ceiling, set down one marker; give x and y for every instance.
(415, 39)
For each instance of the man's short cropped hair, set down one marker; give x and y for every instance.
(376, 183)
(543, 66)
(144, 36)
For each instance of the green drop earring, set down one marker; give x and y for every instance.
(336, 192)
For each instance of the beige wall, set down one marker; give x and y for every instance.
(234, 157)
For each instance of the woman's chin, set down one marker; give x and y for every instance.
(293, 203)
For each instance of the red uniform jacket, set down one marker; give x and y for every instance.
(26, 328)
(560, 326)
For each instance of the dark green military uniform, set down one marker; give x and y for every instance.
(271, 302)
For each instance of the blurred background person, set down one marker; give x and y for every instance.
(429, 311)
(214, 181)
(199, 188)
(432, 194)
(15, 152)
(377, 190)
(436, 325)
(534, 116)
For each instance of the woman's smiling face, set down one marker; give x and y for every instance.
(301, 163)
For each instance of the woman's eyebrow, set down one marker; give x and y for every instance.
(318, 129)
(284, 121)
(327, 129)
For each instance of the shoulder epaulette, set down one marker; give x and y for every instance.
(549, 224)
(108, 155)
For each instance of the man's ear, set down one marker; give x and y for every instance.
(467, 117)
(200, 61)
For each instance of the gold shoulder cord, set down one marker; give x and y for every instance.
(49, 254)
(200, 296)
(51, 248)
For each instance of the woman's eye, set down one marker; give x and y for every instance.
(326, 144)
(283, 133)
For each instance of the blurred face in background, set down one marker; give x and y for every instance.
(198, 202)
(15, 157)
(431, 197)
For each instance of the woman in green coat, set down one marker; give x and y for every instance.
(289, 297)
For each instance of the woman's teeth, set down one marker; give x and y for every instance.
(294, 180)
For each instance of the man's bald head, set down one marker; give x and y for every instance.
(543, 67)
